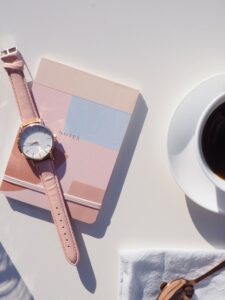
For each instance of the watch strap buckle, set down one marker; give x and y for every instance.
(9, 51)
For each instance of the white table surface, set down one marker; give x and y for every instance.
(162, 48)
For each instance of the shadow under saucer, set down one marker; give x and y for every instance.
(209, 224)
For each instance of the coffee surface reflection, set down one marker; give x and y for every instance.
(213, 141)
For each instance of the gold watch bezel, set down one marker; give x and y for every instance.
(32, 123)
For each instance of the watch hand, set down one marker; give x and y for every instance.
(32, 143)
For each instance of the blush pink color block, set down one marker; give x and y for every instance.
(88, 163)
(53, 105)
(86, 85)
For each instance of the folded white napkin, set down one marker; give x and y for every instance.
(142, 272)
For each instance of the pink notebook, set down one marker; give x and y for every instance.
(90, 116)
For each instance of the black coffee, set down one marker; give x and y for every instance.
(213, 141)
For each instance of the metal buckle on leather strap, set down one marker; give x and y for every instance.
(9, 51)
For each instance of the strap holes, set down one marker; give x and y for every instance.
(68, 246)
(64, 233)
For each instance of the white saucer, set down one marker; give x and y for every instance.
(180, 145)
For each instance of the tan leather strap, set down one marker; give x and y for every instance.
(46, 171)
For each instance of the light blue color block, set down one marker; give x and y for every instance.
(96, 123)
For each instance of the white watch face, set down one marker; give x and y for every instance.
(36, 141)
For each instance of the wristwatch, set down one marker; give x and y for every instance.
(36, 142)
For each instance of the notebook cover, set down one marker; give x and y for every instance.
(90, 116)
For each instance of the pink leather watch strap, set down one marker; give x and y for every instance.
(47, 173)
(14, 66)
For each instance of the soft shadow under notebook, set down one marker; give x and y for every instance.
(90, 116)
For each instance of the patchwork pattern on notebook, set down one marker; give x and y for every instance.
(90, 117)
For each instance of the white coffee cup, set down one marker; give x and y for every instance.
(215, 179)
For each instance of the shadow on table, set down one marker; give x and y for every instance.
(12, 285)
(114, 189)
(209, 224)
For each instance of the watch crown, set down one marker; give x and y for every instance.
(55, 137)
